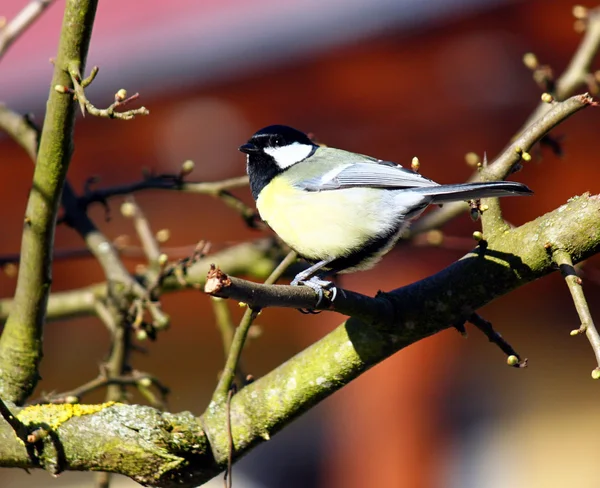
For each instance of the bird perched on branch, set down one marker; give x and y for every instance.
(342, 211)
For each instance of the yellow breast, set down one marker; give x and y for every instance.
(321, 225)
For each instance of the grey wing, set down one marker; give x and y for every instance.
(378, 174)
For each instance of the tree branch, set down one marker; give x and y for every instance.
(256, 259)
(565, 264)
(504, 164)
(239, 337)
(21, 341)
(11, 31)
(178, 450)
(20, 129)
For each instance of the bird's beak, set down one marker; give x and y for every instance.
(248, 148)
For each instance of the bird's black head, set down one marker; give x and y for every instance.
(271, 151)
(274, 136)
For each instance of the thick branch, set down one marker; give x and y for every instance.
(164, 449)
(21, 341)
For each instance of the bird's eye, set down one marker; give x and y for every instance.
(278, 141)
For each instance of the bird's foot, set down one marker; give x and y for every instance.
(318, 285)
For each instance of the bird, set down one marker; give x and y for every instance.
(342, 211)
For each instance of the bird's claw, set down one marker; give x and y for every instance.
(318, 285)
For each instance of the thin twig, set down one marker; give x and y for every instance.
(147, 238)
(563, 260)
(117, 362)
(494, 337)
(578, 69)
(224, 322)
(20, 129)
(134, 378)
(14, 422)
(125, 251)
(235, 351)
(239, 338)
(121, 98)
(217, 189)
(163, 182)
(11, 31)
(228, 477)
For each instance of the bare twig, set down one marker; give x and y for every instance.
(147, 238)
(228, 476)
(486, 327)
(163, 182)
(11, 31)
(563, 260)
(121, 98)
(176, 182)
(575, 76)
(224, 322)
(21, 129)
(14, 422)
(134, 378)
(239, 338)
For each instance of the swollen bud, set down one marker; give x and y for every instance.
(512, 360)
(530, 60)
(163, 235)
(415, 164)
(128, 209)
(580, 12)
(121, 95)
(472, 159)
(187, 167)
(163, 259)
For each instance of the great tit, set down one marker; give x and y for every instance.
(339, 210)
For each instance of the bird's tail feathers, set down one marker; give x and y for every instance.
(472, 191)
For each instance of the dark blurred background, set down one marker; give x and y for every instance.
(393, 79)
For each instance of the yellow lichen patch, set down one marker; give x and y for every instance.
(55, 415)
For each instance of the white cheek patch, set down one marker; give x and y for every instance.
(286, 156)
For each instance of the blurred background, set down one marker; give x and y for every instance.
(390, 78)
